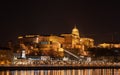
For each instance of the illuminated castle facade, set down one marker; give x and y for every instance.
(55, 43)
(75, 41)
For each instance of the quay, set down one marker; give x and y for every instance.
(54, 67)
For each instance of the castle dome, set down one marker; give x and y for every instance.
(75, 31)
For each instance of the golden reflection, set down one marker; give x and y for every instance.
(64, 72)
(7, 72)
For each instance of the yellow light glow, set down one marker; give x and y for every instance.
(20, 37)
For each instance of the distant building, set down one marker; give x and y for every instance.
(46, 44)
(109, 45)
(87, 43)
(75, 38)
(35, 44)
(67, 41)
(6, 55)
(72, 40)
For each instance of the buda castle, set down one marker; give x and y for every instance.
(53, 43)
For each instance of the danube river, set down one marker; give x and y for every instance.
(63, 72)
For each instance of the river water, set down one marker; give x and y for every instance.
(63, 72)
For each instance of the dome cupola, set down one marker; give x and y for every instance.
(75, 31)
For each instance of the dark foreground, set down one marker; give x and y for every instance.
(54, 67)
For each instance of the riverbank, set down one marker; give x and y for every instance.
(55, 67)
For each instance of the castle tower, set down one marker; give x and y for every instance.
(75, 38)
(75, 31)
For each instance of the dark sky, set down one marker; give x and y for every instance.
(96, 19)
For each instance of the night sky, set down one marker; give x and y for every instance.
(99, 20)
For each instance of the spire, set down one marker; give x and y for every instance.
(75, 26)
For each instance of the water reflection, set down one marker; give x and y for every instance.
(63, 72)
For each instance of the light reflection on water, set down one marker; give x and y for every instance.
(63, 72)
